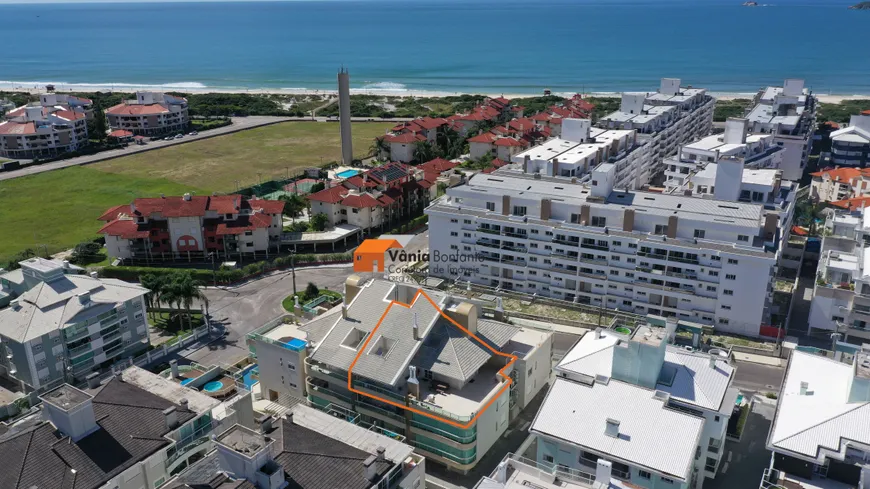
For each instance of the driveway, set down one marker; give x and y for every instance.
(755, 377)
(743, 462)
(247, 307)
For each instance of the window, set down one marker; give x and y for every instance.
(249, 233)
(728, 292)
(615, 258)
(617, 243)
(629, 275)
(730, 277)
(742, 237)
(614, 272)
(716, 258)
(632, 245)
(713, 273)
(466, 221)
(732, 261)
(626, 303)
(466, 235)
(716, 419)
(519, 210)
(599, 222)
(710, 288)
(549, 458)
(726, 308)
(454, 221)
(723, 321)
(699, 233)
(454, 233)
(668, 481)
(575, 218)
(644, 474)
(631, 260)
(354, 211)
(490, 206)
(661, 229)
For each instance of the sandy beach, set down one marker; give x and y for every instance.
(198, 88)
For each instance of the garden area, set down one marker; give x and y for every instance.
(310, 293)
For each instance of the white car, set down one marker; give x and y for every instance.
(193, 133)
(179, 136)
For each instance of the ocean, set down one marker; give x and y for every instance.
(489, 46)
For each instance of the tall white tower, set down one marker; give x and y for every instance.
(344, 116)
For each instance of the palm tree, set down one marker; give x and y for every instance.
(156, 285)
(379, 146)
(185, 292)
(424, 151)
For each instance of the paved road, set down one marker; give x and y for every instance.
(239, 124)
(246, 308)
(743, 462)
(754, 377)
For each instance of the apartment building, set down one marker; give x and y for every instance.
(819, 436)
(841, 295)
(305, 449)
(15, 282)
(697, 162)
(789, 113)
(581, 148)
(704, 260)
(130, 432)
(376, 198)
(619, 372)
(53, 102)
(850, 146)
(192, 226)
(150, 114)
(671, 117)
(839, 184)
(417, 375)
(65, 326)
(42, 132)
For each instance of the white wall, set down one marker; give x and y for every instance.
(402, 152)
(477, 150)
(492, 423)
(185, 226)
(281, 370)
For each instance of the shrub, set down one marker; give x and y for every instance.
(86, 252)
(771, 395)
(311, 291)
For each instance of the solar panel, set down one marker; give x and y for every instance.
(389, 173)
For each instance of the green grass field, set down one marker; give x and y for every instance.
(60, 208)
(217, 163)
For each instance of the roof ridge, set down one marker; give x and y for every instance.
(455, 355)
(300, 452)
(24, 458)
(824, 421)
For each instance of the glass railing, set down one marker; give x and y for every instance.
(380, 390)
(432, 448)
(327, 391)
(365, 404)
(489, 231)
(446, 434)
(516, 235)
(74, 352)
(595, 247)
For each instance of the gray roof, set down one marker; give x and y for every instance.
(132, 426)
(450, 352)
(50, 306)
(364, 313)
(442, 348)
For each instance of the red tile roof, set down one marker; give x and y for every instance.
(332, 195)
(361, 201)
(511, 142)
(243, 224)
(114, 212)
(438, 165)
(525, 124)
(865, 112)
(405, 138)
(12, 127)
(499, 163)
(178, 207)
(137, 109)
(125, 228)
(271, 207)
(841, 174)
(486, 137)
(358, 182)
(430, 122)
(541, 117)
(120, 133)
(799, 231)
(852, 204)
(69, 115)
(832, 125)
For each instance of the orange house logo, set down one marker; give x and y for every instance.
(371, 254)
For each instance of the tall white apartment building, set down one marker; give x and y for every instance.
(703, 260)
(149, 114)
(53, 102)
(65, 326)
(666, 119)
(34, 131)
(850, 146)
(582, 147)
(789, 113)
(841, 296)
(695, 167)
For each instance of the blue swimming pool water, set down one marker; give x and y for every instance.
(248, 376)
(187, 381)
(347, 173)
(295, 344)
(213, 386)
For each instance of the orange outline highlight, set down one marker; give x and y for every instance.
(415, 410)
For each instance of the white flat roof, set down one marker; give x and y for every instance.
(577, 414)
(823, 417)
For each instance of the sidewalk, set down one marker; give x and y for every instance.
(760, 359)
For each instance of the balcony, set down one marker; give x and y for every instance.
(74, 352)
(488, 230)
(566, 242)
(518, 249)
(516, 235)
(589, 246)
(487, 244)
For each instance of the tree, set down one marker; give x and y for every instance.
(183, 290)
(294, 204)
(450, 143)
(424, 151)
(319, 221)
(156, 285)
(97, 125)
(311, 291)
(379, 147)
(317, 187)
(86, 252)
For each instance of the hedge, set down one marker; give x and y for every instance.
(410, 225)
(228, 275)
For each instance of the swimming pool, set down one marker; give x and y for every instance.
(213, 386)
(187, 381)
(347, 173)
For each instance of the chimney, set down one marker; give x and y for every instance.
(371, 468)
(628, 220)
(413, 383)
(713, 361)
(672, 227)
(71, 411)
(170, 415)
(173, 365)
(266, 424)
(94, 274)
(381, 454)
(555, 167)
(612, 428)
(344, 311)
(84, 297)
(735, 131)
(289, 417)
(804, 387)
(66, 264)
(16, 304)
(501, 472)
(93, 380)
(416, 328)
(670, 328)
(186, 196)
(505, 205)
(183, 403)
(597, 333)
(526, 164)
(545, 209)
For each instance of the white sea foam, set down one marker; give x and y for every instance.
(61, 85)
(393, 86)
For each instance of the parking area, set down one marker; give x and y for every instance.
(744, 462)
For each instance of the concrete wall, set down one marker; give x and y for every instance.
(492, 423)
(281, 371)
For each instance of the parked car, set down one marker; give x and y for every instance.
(193, 133)
(179, 136)
(168, 138)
